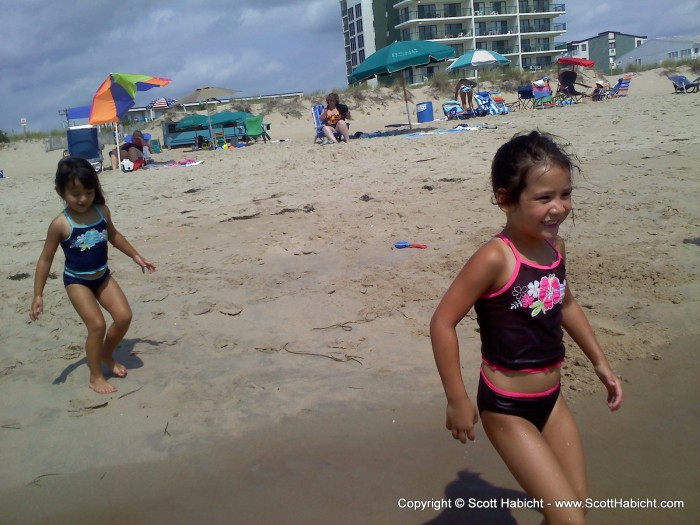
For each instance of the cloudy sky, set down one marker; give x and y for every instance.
(55, 53)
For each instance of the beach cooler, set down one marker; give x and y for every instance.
(425, 111)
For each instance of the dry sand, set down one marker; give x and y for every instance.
(280, 363)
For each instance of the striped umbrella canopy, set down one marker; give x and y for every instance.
(117, 93)
(478, 58)
(160, 103)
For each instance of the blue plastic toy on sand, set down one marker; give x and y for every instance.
(406, 244)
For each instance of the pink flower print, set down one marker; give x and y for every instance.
(550, 292)
(527, 300)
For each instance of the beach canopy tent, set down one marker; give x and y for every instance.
(397, 57)
(195, 121)
(572, 61)
(204, 95)
(229, 117)
(78, 113)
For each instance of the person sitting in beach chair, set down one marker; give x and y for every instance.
(334, 117)
(132, 150)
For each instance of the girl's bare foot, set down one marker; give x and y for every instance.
(118, 369)
(102, 386)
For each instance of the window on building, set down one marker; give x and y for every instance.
(405, 34)
(459, 49)
(405, 16)
(358, 24)
(427, 32)
(353, 44)
(352, 29)
(673, 54)
(427, 11)
(583, 47)
(452, 30)
(358, 10)
(685, 52)
(611, 45)
(453, 10)
(351, 16)
(361, 55)
(354, 60)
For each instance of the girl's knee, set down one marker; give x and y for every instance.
(123, 318)
(96, 327)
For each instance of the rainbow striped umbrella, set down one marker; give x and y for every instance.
(116, 95)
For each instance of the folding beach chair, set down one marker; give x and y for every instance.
(681, 84)
(526, 97)
(567, 86)
(622, 87)
(543, 94)
(83, 143)
(317, 110)
(254, 129)
(483, 103)
(453, 110)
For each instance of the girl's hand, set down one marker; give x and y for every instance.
(461, 418)
(612, 384)
(145, 264)
(37, 307)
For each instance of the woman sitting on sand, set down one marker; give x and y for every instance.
(129, 150)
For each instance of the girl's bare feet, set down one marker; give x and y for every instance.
(102, 386)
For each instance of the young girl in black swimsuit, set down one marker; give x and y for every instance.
(517, 284)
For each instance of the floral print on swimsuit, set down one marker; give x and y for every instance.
(89, 239)
(539, 296)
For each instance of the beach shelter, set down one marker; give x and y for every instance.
(192, 121)
(572, 61)
(204, 95)
(478, 58)
(397, 57)
(116, 95)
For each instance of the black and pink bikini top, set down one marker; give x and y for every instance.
(520, 324)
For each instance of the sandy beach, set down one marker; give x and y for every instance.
(280, 368)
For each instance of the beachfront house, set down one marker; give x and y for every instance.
(658, 50)
(604, 48)
(522, 30)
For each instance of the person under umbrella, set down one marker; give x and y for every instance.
(129, 150)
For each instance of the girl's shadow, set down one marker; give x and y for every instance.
(124, 353)
(483, 502)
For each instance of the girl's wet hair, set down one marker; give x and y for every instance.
(72, 169)
(517, 157)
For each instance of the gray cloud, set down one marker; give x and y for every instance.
(55, 54)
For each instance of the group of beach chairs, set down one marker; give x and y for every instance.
(538, 95)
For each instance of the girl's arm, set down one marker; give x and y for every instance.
(43, 266)
(479, 275)
(576, 324)
(120, 243)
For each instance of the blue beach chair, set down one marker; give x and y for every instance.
(83, 143)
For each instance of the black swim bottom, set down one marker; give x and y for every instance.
(92, 284)
(536, 407)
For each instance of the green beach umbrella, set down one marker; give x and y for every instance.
(399, 56)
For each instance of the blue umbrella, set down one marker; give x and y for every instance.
(399, 56)
(478, 58)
